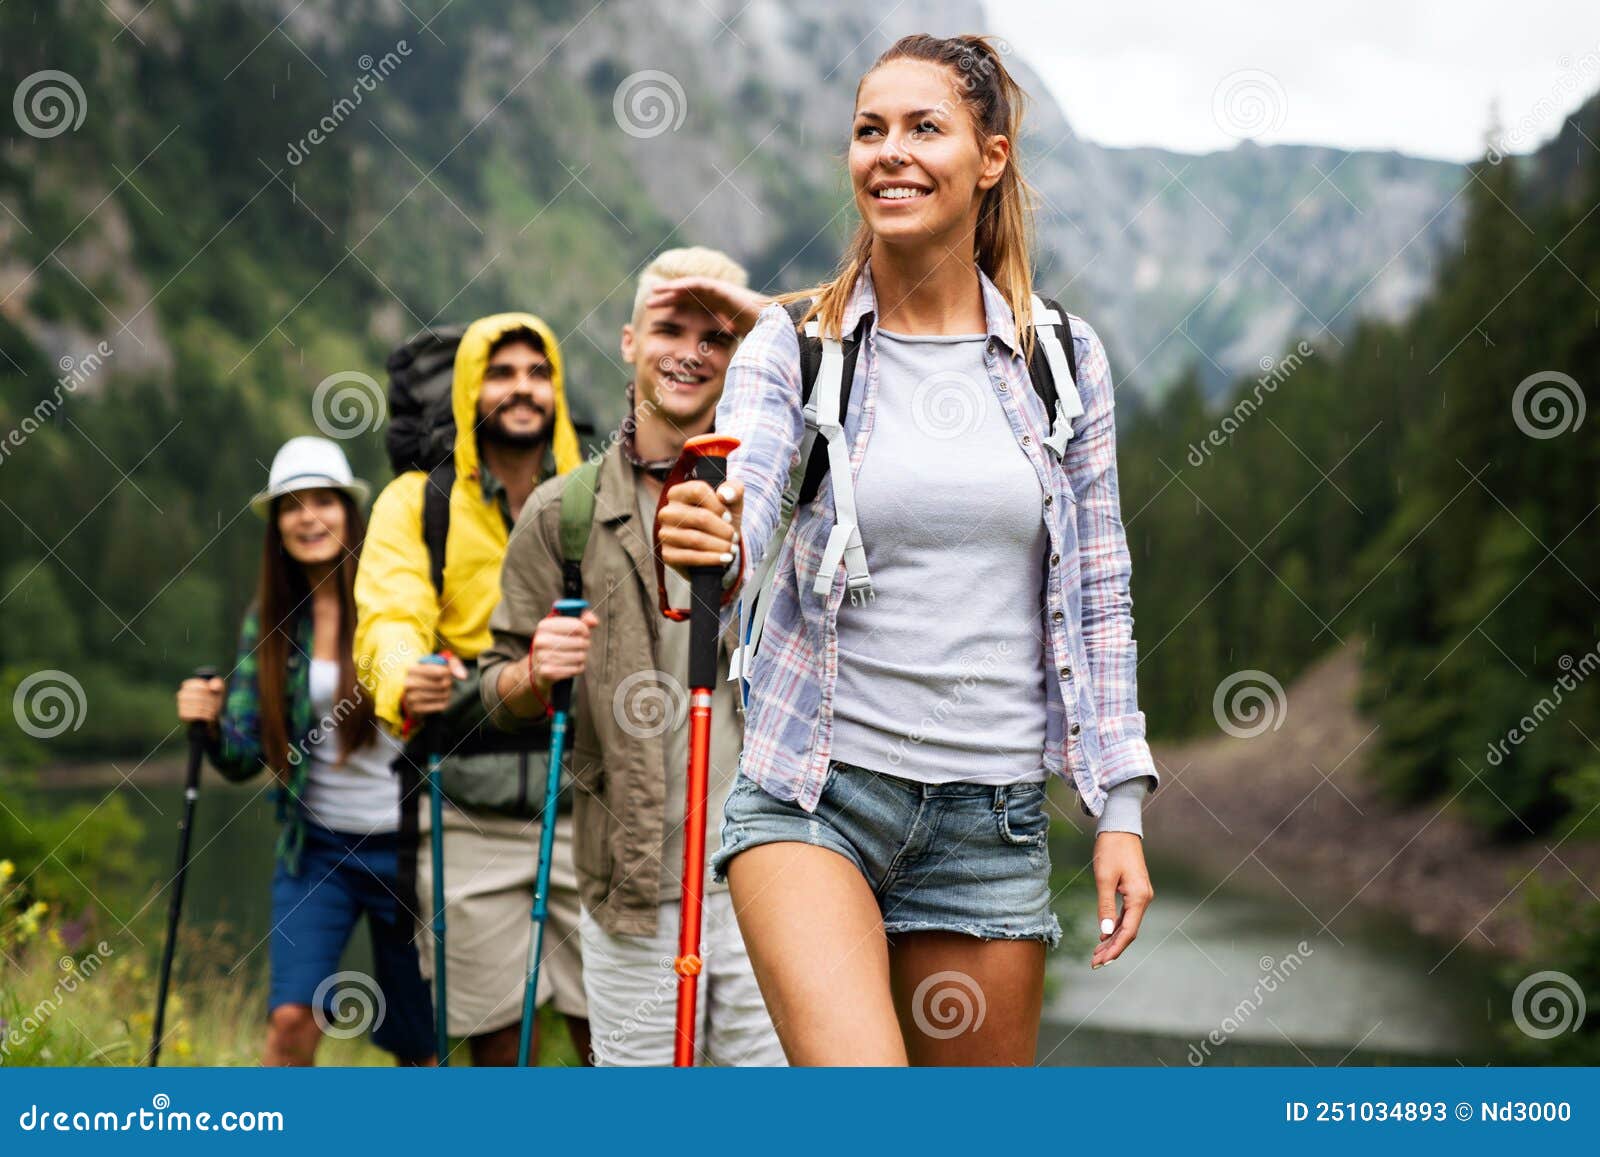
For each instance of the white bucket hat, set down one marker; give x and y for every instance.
(308, 463)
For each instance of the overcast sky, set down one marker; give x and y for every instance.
(1420, 76)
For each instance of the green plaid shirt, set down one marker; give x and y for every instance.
(236, 750)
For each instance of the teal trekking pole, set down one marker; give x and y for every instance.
(441, 1019)
(561, 704)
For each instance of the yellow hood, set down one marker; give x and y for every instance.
(472, 360)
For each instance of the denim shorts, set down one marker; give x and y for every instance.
(953, 857)
(342, 877)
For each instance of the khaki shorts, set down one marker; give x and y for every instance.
(634, 993)
(490, 863)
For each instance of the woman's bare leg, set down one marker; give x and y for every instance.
(815, 937)
(965, 1001)
(292, 1036)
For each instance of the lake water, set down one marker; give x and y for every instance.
(1217, 976)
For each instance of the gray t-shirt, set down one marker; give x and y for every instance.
(942, 675)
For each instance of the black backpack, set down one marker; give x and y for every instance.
(422, 425)
(422, 428)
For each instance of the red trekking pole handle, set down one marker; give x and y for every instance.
(704, 459)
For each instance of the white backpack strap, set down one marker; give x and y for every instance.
(756, 604)
(1047, 325)
(756, 601)
(844, 541)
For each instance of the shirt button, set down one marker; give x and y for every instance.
(1057, 617)
(1076, 728)
(1048, 498)
(1004, 388)
(1026, 441)
(1066, 672)
(1055, 560)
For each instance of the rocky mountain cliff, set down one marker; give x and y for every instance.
(454, 158)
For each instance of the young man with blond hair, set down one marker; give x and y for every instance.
(631, 744)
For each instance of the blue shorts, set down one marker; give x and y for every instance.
(954, 857)
(314, 915)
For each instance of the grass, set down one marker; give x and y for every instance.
(95, 1007)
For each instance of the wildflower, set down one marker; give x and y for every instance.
(28, 922)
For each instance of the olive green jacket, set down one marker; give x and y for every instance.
(616, 766)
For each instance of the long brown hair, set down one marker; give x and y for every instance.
(1004, 237)
(282, 597)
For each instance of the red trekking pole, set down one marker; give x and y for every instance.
(704, 459)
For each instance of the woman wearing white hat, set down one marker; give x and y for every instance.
(293, 706)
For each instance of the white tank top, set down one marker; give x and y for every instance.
(360, 796)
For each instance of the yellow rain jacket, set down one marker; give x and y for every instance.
(400, 618)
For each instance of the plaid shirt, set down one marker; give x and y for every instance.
(236, 750)
(1095, 731)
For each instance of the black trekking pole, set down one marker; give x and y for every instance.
(191, 792)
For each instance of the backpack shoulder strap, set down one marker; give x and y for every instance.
(436, 517)
(1054, 369)
(577, 519)
(835, 361)
(824, 437)
(810, 346)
